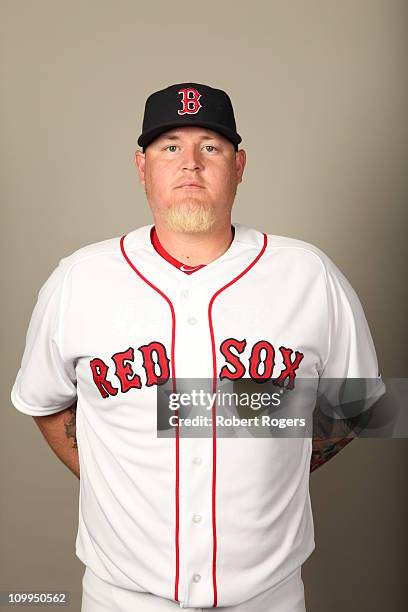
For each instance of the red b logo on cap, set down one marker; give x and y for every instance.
(190, 101)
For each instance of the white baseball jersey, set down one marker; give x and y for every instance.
(204, 521)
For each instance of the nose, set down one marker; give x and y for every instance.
(192, 159)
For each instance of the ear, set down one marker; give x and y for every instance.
(240, 161)
(140, 160)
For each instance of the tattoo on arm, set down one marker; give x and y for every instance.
(323, 450)
(331, 435)
(70, 425)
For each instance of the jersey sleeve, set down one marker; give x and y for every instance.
(350, 379)
(46, 381)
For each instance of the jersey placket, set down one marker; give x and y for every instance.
(194, 361)
(201, 344)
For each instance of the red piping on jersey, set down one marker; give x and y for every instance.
(213, 413)
(173, 374)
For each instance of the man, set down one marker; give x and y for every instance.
(207, 521)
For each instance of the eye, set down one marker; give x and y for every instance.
(171, 147)
(210, 147)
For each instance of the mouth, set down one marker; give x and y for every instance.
(192, 186)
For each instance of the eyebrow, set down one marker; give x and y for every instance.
(175, 137)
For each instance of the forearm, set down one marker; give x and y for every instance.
(331, 435)
(59, 430)
(324, 450)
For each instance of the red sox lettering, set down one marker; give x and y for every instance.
(260, 368)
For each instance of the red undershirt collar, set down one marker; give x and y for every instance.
(175, 262)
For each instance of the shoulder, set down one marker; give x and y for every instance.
(100, 253)
(311, 262)
(297, 249)
(83, 257)
(105, 248)
(89, 261)
(134, 239)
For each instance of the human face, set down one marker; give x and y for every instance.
(190, 175)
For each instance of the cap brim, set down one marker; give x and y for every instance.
(147, 137)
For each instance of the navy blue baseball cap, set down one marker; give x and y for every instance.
(188, 104)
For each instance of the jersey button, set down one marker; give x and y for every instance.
(185, 293)
(197, 461)
(196, 577)
(197, 518)
(192, 320)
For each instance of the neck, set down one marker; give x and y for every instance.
(195, 249)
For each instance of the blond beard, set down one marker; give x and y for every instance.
(190, 216)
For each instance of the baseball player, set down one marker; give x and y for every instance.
(201, 522)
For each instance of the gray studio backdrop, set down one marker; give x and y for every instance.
(320, 94)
